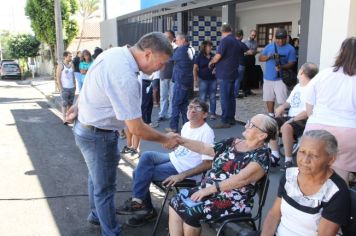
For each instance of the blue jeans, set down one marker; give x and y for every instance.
(227, 99)
(153, 166)
(77, 77)
(208, 88)
(179, 105)
(166, 95)
(239, 78)
(101, 155)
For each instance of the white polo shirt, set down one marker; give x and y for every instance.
(111, 92)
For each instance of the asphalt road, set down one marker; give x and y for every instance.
(43, 177)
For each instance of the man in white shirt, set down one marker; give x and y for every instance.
(170, 167)
(109, 100)
(292, 126)
(66, 82)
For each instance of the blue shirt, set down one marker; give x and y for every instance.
(183, 67)
(204, 71)
(287, 54)
(229, 49)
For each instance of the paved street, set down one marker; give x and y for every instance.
(43, 188)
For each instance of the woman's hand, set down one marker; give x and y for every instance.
(199, 195)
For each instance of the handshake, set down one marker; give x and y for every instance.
(172, 141)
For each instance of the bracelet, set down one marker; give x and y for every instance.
(217, 186)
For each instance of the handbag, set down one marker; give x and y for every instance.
(288, 77)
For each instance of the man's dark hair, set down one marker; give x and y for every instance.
(240, 33)
(66, 53)
(310, 69)
(155, 41)
(347, 57)
(171, 32)
(201, 103)
(203, 46)
(226, 28)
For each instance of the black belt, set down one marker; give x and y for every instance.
(95, 129)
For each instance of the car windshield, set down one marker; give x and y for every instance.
(10, 66)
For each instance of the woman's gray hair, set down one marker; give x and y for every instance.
(327, 137)
(270, 126)
(155, 41)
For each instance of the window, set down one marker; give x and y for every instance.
(265, 32)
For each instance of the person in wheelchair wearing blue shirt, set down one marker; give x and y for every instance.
(292, 126)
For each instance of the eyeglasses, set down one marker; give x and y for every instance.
(195, 108)
(250, 125)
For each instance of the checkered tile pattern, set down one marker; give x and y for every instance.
(202, 28)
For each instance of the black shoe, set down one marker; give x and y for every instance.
(126, 150)
(94, 222)
(232, 122)
(274, 161)
(132, 208)
(138, 221)
(222, 126)
(240, 96)
(161, 119)
(287, 165)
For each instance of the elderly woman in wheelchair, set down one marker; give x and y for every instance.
(292, 126)
(312, 199)
(227, 188)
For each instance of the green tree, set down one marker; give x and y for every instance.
(5, 36)
(87, 8)
(41, 14)
(23, 46)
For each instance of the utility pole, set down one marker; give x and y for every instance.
(59, 36)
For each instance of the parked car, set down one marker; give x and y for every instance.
(6, 61)
(10, 70)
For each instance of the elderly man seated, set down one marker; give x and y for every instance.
(292, 126)
(312, 198)
(171, 167)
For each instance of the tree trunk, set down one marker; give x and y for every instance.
(54, 63)
(81, 33)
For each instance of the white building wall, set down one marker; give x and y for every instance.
(337, 26)
(265, 13)
(108, 33)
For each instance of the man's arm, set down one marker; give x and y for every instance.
(58, 76)
(195, 74)
(263, 58)
(281, 109)
(215, 59)
(139, 128)
(272, 219)
(309, 109)
(201, 168)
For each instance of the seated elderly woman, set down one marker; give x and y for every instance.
(228, 187)
(312, 198)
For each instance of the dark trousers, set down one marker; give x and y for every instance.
(181, 95)
(250, 62)
(147, 101)
(227, 100)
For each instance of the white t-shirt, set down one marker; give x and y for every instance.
(111, 92)
(301, 214)
(333, 95)
(296, 100)
(67, 76)
(182, 158)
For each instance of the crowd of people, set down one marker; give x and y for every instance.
(118, 93)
